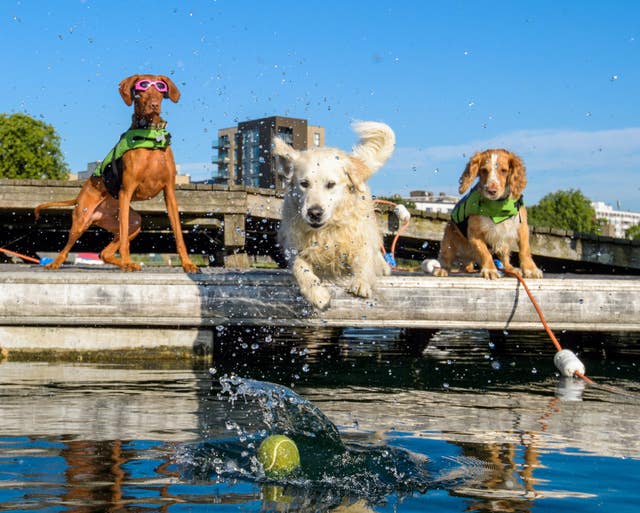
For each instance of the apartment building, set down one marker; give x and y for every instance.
(244, 156)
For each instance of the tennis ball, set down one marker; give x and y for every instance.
(279, 455)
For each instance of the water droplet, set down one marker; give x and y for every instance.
(496, 365)
(613, 78)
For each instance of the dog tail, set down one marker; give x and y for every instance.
(44, 206)
(376, 144)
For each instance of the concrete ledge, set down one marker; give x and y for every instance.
(80, 309)
(30, 339)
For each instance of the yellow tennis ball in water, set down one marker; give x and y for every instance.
(279, 455)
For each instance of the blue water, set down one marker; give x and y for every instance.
(457, 426)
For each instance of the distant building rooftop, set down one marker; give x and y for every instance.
(619, 221)
(432, 202)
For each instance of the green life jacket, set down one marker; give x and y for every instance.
(111, 167)
(475, 203)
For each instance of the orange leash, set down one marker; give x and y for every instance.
(42, 261)
(542, 319)
(391, 256)
(19, 255)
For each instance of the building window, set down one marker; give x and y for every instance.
(316, 139)
(251, 158)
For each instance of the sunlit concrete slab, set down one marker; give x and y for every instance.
(163, 306)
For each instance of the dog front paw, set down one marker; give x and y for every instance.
(360, 287)
(534, 273)
(489, 274)
(319, 296)
(190, 267)
(440, 272)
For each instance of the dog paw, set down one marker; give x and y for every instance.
(440, 272)
(489, 274)
(190, 267)
(534, 273)
(130, 266)
(318, 296)
(360, 288)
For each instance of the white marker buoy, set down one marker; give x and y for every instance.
(568, 363)
(429, 266)
(403, 214)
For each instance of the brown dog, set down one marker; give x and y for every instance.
(492, 215)
(145, 172)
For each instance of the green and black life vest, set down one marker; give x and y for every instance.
(111, 167)
(475, 203)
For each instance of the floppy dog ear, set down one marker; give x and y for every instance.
(126, 89)
(358, 173)
(174, 92)
(286, 156)
(517, 175)
(470, 173)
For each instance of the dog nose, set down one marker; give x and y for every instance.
(492, 188)
(315, 213)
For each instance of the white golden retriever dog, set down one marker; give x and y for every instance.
(329, 230)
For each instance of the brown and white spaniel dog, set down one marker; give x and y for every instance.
(489, 220)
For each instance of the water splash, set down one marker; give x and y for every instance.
(331, 470)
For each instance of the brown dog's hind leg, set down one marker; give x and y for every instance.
(82, 217)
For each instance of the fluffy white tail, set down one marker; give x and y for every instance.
(376, 143)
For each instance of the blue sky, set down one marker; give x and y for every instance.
(557, 82)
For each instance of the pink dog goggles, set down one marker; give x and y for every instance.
(143, 85)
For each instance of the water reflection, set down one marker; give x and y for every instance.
(105, 437)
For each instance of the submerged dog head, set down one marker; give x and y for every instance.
(500, 173)
(146, 92)
(319, 179)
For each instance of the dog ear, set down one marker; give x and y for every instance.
(470, 173)
(358, 172)
(174, 92)
(126, 89)
(286, 157)
(517, 175)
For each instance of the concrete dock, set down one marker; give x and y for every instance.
(84, 309)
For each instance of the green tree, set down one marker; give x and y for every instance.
(633, 232)
(566, 210)
(30, 149)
